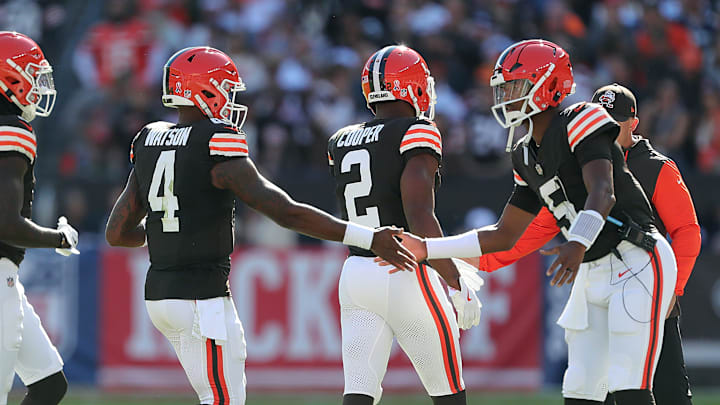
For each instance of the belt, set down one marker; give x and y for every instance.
(633, 233)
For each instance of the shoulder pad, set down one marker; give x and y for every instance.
(585, 119)
(18, 136)
(422, 134)
(159, 125)
(228, 141)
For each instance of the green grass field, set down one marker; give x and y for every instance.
(94, 398)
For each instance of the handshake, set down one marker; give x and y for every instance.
(404, 250)
(69, 242)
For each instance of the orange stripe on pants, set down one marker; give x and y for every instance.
(649, 370)
(447, 343)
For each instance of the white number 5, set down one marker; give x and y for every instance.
(359, 189)
(168, 203)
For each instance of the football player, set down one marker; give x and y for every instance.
(623, 270)
(386, 172)
(185, 179)
(27, 91)
(674, 215)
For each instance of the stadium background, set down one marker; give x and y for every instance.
(301, 62)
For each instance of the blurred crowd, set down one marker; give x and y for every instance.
(301, 62)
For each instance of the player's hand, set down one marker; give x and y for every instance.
(567, 263)
(466, 304)
(71, 237)
(386, 244)
(416, 246)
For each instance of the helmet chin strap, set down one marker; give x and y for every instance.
(511, 135)
(528, 136)
(414, 99)
(433, 97)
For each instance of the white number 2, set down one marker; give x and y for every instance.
(359, 189)
(168, 203)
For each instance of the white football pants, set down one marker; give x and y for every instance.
(627, 300)
(25, 348)
(410, 306)
(215, 368)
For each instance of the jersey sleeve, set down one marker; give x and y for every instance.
(331, 142)
(228, 142)
(132, 146)
(18, 140)
(523, 197)
(675, 208)
(592, 120)
(421, 137)
(540, 231)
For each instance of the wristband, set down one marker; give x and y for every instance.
(358, 236)
(463, 245)
(586, 227)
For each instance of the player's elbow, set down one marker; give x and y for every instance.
(114, 236)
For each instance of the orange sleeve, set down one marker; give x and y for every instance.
(674, 205)
(540, 231)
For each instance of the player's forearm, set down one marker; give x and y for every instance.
(22, 232)
(492, 238)
(425, 224)
(15, 229)
(125, 227)
(310, 221)
(131, 237)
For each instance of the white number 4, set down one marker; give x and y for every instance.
(168, 203)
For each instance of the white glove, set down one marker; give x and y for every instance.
(466, 304)
(71, 236)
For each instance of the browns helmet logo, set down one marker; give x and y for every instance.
(607, 99)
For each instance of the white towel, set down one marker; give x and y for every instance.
(575, 314)
(211, 314)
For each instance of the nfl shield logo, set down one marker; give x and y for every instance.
(11, 282)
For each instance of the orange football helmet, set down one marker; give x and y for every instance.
(208, 79)
(534, 72)
(397, 72)
(25, 75)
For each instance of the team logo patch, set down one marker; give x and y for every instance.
(11, 282)
(607, 99)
